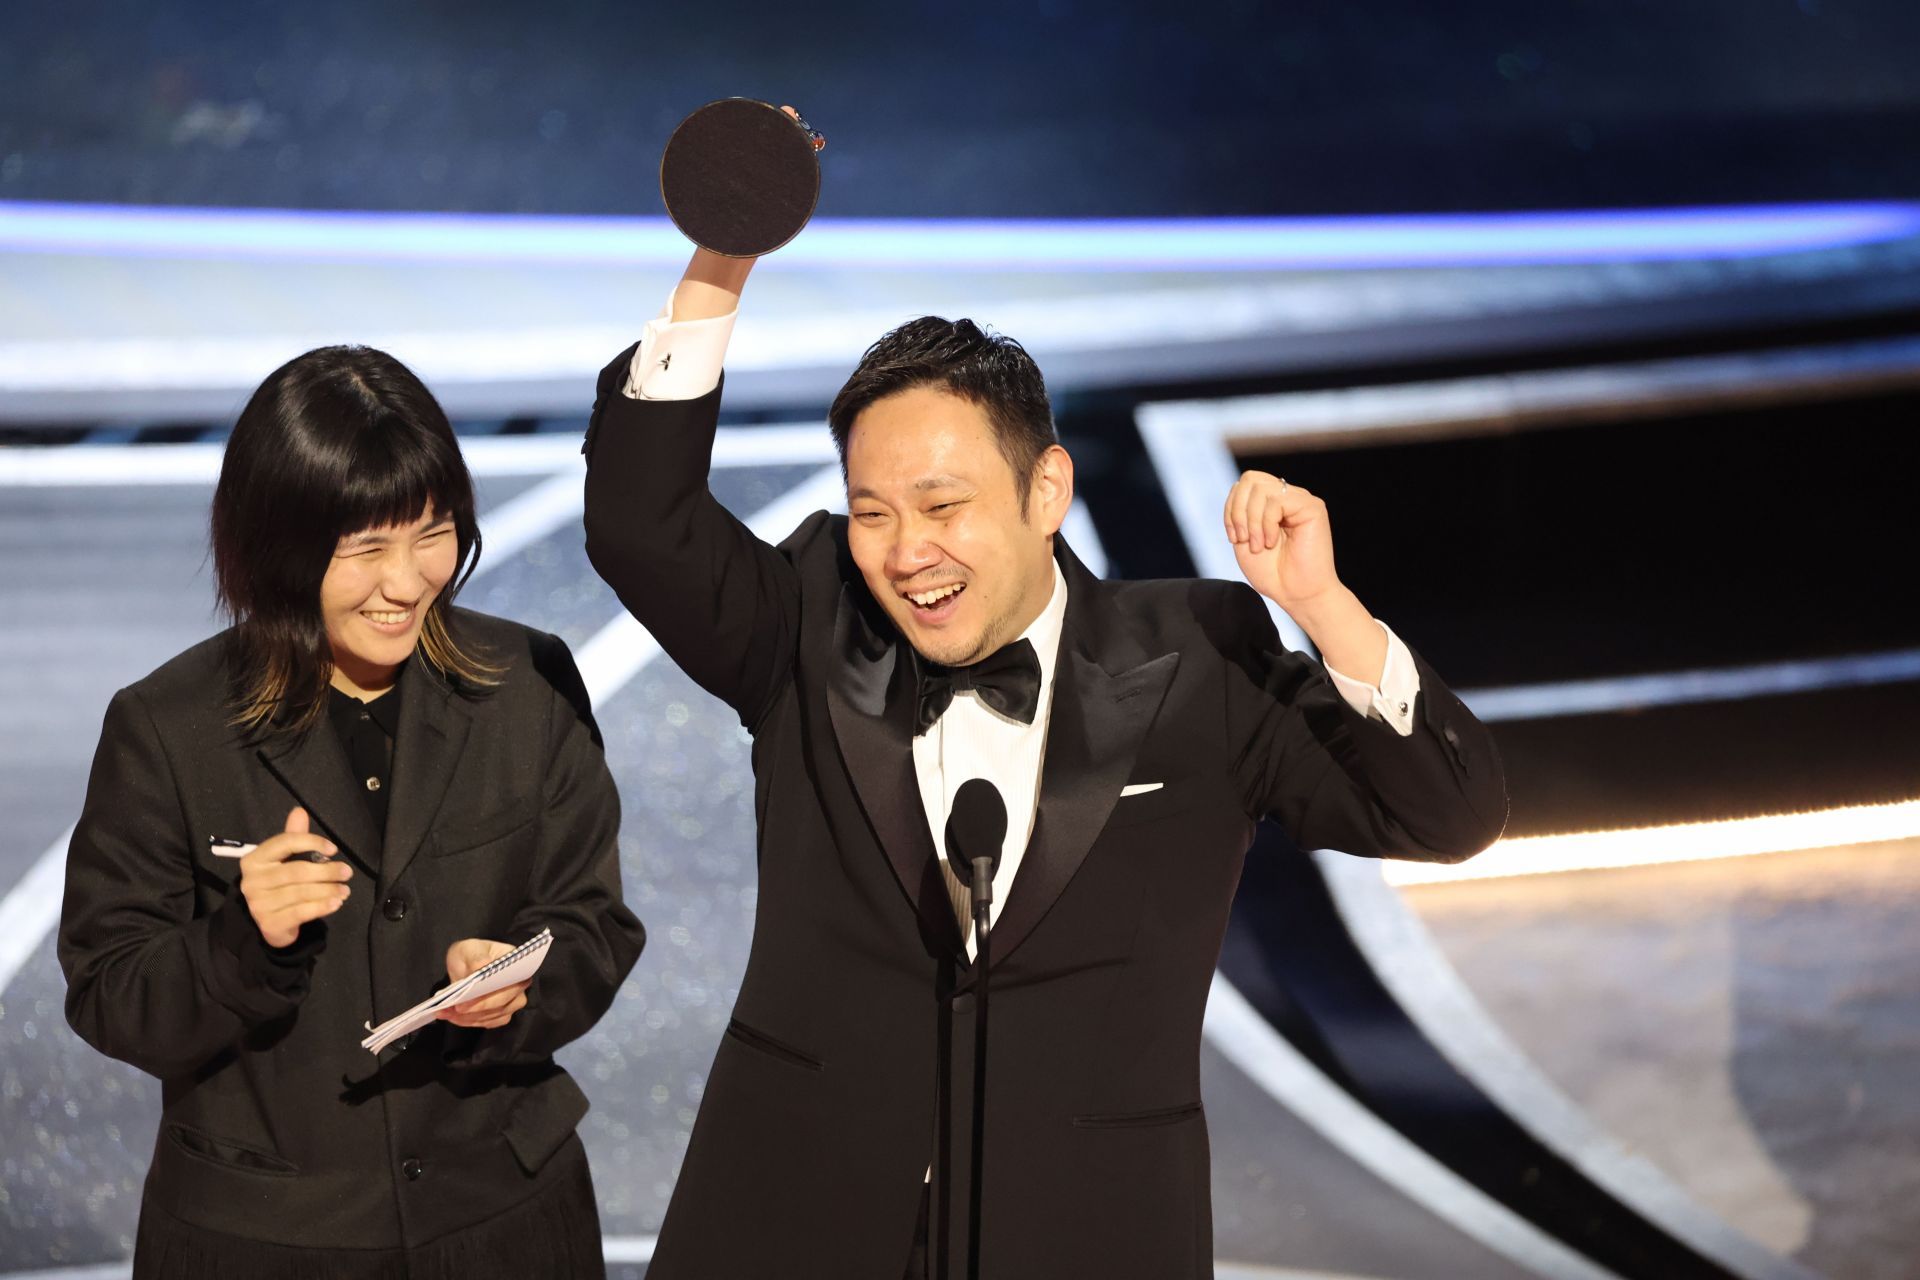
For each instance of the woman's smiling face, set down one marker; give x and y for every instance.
(375, 595)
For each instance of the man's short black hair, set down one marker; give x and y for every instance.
(990, 370)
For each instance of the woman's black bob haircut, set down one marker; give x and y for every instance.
(335, 441)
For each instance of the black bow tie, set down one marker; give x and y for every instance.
(1008, 680)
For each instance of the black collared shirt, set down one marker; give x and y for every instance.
(366, 731)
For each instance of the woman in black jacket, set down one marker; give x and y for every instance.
(448, 765)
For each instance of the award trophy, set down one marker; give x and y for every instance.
(740, 177)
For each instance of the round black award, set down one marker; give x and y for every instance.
(741, 177)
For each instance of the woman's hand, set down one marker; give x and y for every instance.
(494, 1009)
(284, 891)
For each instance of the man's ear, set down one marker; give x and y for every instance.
(1052, 490)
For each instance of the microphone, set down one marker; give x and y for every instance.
(976, 829)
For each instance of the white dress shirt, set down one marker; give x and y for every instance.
(681, 360)
(972, 740)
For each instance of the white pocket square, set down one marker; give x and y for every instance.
(1139, 788)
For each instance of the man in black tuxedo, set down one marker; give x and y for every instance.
(942, 630)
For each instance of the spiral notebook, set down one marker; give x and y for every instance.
(517, 965)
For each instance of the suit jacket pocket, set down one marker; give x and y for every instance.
(1139, 1119)
(761, 1042)
(1174, 797)
(467, 837)
(542, 1119)
(227, 1153)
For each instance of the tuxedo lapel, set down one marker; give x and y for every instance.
(872, 698)
(314, 767)
(1106, 692)
(426, 751)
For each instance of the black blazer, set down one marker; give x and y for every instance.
(276, 1125)
(847, 1068)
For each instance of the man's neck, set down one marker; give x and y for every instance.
(1019, 626)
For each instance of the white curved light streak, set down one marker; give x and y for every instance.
(1681, 842)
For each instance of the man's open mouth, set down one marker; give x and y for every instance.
(934, 597)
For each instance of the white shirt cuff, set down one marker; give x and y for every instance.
(679, 359)
(1393, 699)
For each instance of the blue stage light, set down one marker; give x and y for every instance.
(1081, 245)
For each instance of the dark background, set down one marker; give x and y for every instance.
(1060, 108)
(1657, 539)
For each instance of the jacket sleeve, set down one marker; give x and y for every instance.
(573, 889)
(722, 604)
(1338, 779)
(148, 981)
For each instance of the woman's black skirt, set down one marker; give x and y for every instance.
(555, 1233)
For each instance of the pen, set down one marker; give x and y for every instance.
(225, 847)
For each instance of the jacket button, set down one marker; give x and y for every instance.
(1452, 736)
(394, 908)
(412, 1168)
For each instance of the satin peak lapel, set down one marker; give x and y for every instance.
(1105, 697)
(871, 698)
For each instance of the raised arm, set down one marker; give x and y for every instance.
(711, 286)
(723, 604)
(1374, 756)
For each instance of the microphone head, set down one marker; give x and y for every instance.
(976, 828)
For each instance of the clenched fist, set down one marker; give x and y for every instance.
(1284, 543)
(1282, 539)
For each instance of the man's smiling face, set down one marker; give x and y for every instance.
(937, 526)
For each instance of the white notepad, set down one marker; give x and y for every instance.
(517, 965)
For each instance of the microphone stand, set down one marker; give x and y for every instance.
(982, 935)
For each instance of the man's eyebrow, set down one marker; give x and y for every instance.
(919, 486)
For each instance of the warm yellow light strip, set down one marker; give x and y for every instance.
(1686, 842)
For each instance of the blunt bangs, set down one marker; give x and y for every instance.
(387, 474)
(334, 442)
